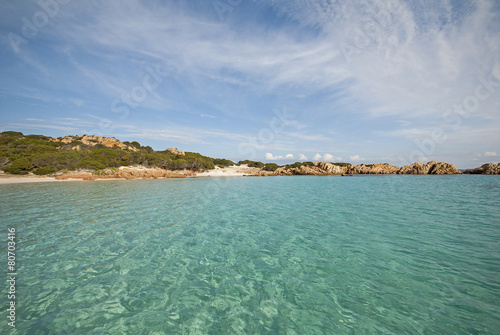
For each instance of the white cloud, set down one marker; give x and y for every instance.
(331, 158)
(355, 158)
(41, 126)
(326, 158)
(270, 156)
(40, 120)
(201, 48)
(490, 153)
(406, 50)
(302, 157)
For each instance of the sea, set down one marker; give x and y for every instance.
(254, 255)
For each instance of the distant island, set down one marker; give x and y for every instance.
(95, 157)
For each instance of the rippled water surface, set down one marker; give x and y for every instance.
(277, 255)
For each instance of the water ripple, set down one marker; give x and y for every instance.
(301, 255)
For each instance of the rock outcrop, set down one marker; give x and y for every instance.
(330, 168)
(109, 142)
(444, 168)
(490, 168)
(432, 167)
(372, 169)
(176, 151)
(128, 173)
(416, 168)
(326, 169)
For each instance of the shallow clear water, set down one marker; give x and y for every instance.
(276, 255)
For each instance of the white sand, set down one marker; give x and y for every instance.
(230, 171)
(27, 179)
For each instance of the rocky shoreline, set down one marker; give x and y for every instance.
(490, 168)
(326, 169)
(315, 169)
(128, 173)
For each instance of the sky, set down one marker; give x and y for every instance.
(359, 81)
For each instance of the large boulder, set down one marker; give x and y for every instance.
(175, 151)
(444, 168)
(432, 167)
(330, 169)
(490, 168)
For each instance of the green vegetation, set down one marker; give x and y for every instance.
(298, 164)
(259, 165)
(271, 167)
(42, 155)
(20, 154)
(222, 162)
(19, 166)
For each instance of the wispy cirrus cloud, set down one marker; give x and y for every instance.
(31, 126)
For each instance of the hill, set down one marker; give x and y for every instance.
(43, 155)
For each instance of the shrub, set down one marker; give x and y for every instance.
(222, 162)
(38, 137)
(45, 170)
(9, 136)
(15, 134)
(180, 164)
(19, 166)
(252, 163)
(45, 160)
(89, 163)
(147, 148)
(270, 166)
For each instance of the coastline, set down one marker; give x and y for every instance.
(7, 180)
(317, 169)
(128, 173)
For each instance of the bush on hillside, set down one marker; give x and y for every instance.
(222, 162)
(45, 170)
(19, 166)
(270, 167)
(250, 163)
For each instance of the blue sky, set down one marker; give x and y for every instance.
(269, 80)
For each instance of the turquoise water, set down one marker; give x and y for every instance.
(276, 255)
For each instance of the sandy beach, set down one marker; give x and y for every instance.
(25, 179)
(230, 171)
